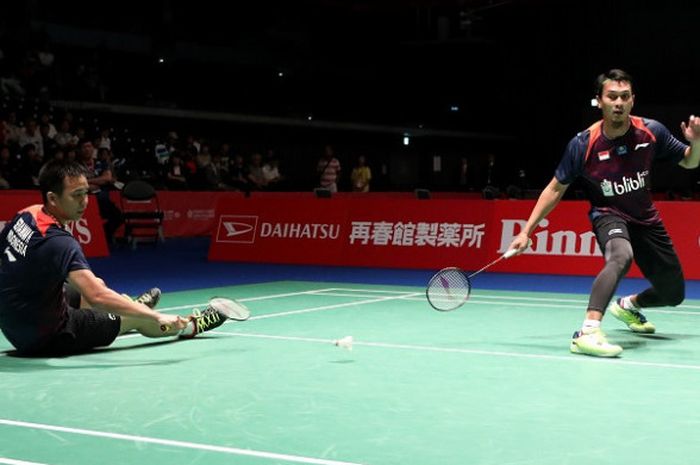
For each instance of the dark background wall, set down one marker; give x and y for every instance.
(518, 73)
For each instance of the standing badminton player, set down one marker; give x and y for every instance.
(41, 314)
(614, 159)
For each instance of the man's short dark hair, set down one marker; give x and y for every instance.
(53, 173)
(611, 75)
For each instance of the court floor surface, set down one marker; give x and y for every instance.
(492, 383)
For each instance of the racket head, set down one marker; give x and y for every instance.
(448, 289)
(232, 309)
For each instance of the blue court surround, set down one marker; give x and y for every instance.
(181, 264)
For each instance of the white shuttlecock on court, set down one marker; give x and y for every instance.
(345, 343)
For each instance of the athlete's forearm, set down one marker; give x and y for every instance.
(109, 301)
(548, 199)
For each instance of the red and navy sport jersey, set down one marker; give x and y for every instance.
(36, 255)
(615, 173)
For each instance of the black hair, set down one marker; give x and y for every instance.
(54, 172)
(611, 75)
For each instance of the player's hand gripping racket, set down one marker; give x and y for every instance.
(450, 288)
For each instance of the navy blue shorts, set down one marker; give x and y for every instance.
(84, 330)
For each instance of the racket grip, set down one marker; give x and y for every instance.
(512, 252)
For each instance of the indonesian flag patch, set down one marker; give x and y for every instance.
(604, 155)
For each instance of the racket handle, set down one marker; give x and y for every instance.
(512, 252)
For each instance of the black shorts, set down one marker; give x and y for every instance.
(84, 330)
(651, 244)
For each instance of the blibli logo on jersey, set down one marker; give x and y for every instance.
(627, 185)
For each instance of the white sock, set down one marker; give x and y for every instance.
(188, 331)
(589, 325)
(626, 303)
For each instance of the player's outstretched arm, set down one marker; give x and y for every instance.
(102, 298)
(549, 198)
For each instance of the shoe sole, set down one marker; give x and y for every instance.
(230, 308)
(575, 349)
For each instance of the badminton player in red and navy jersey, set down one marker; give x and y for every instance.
(46, 283)
(613, 158)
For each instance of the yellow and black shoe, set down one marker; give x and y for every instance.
(634, 319)
(150, 298)
(217, 312)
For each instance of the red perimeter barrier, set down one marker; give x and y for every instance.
(88, 230)
(403, 232)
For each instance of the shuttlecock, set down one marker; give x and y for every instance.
(345, 343)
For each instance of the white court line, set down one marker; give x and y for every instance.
(18, 462)
(333, 293)
(475, 300)
(250, 299)
(307, 310)
(174, 443)
(418, 296)
(566, 358)
(407, 295)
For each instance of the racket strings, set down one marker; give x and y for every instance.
(448, 289)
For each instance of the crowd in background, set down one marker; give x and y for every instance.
(33, 131)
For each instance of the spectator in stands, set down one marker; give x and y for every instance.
(361, 175)
(271, 173)
(192, 141)
(225, 155)
(50, 146)
(64, 137)
(255, 172)
(31, 135)
(176, 173)
(46, 119)
(208, 176)
(104, 141)
(328, 168)
(101, 179)
(165, 149)
(13, 130)
(27, 174)
(238, 174)
(190, 162)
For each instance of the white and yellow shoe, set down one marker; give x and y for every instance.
(634, 319)
(592, 341)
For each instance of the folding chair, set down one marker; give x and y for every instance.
(143, 218)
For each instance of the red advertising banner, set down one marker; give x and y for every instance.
(386, 231)
(186, 214)
(88, 230)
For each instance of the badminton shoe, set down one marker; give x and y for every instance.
(634, 319)
(592, 341)
(217, 312)
(150, 298)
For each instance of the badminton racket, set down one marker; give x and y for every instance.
(451, 287)
(228, 308)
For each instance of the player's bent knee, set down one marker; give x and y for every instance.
(675, 295)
